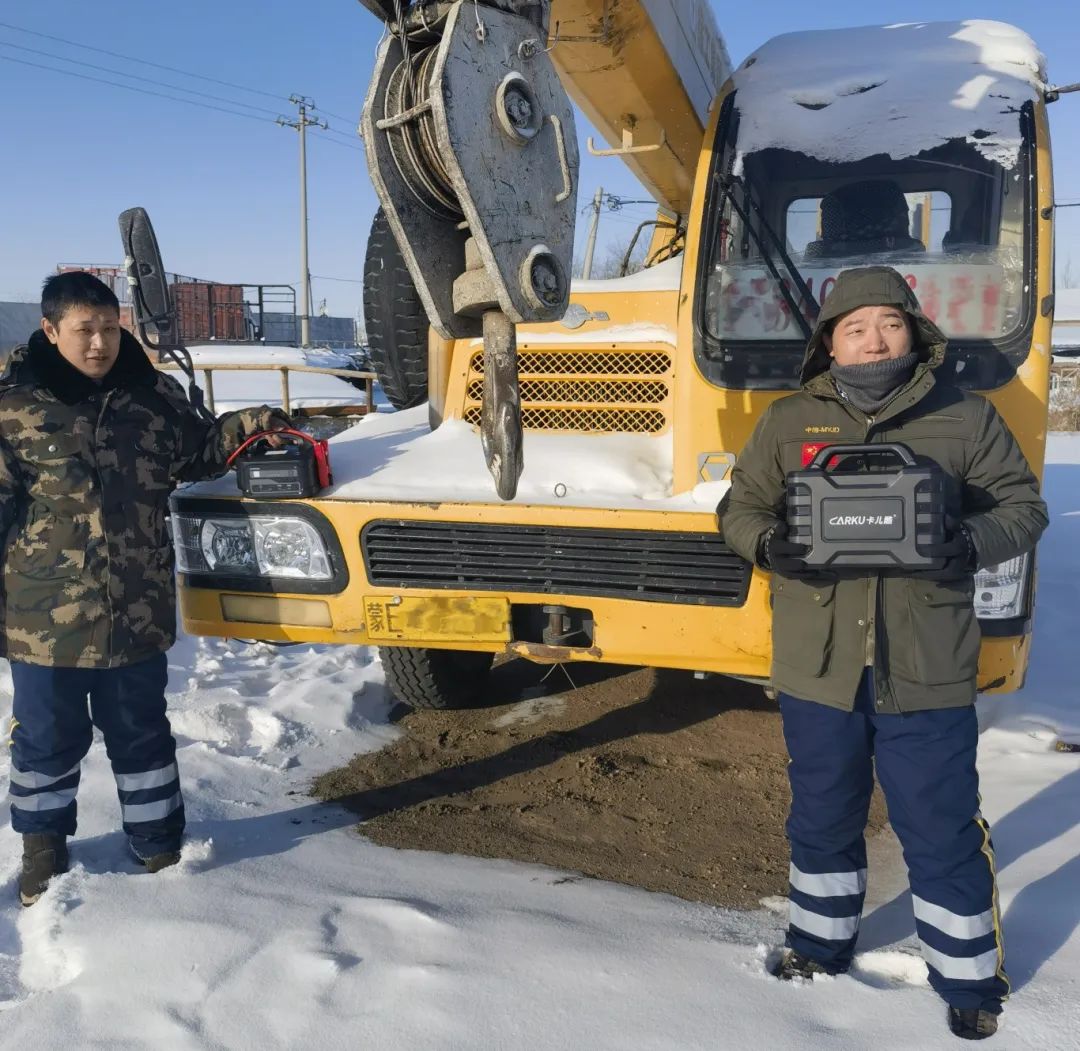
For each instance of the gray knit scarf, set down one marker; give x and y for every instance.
(868, 387)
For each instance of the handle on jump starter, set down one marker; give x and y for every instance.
(261, 435)
(827, 452)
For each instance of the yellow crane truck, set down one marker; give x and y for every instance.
(608, 414)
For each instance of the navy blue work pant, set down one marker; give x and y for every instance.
(52, 732)
(925, 763)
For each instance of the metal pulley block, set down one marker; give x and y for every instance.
(470, 138)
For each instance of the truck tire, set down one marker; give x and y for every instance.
(427, 678)
(394, 317)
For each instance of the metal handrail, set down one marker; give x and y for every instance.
(351, 374)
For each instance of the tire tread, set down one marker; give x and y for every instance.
(435, 679)
(395, 320)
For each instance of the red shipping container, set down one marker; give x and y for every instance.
(207, 311)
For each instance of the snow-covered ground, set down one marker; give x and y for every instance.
(284, 928)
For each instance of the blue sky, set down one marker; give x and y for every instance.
(222, 189)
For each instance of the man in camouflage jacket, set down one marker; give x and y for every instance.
(876, 671)
(93, 439)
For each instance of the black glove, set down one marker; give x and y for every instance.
(958, 551)
(785, 557)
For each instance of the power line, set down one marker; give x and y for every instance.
(337, 142)
(163, 95)
(347, 120)
(139, 91)
(145, 62)
(157, 65)
(353, 137)
(148, 80)
(615, 202)
(612, 202)
(133, 76)
(345, 280)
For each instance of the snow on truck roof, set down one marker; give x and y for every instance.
(825, 92)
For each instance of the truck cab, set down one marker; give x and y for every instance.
(931, 155)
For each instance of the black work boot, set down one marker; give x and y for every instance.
(156, 862)
(44, 855)
(794, 964)
(972, 1023)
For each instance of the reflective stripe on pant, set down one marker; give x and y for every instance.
(925, 762)
(54, 728)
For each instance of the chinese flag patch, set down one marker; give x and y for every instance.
(811, 449)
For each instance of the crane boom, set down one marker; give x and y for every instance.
(472, 150)
(650, 68)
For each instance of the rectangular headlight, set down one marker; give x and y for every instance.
(260, 545)
(1000, 589)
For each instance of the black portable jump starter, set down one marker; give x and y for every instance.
(866, 518)
(294, 471)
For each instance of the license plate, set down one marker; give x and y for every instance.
(437, 618)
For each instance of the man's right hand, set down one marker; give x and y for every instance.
(785, 557)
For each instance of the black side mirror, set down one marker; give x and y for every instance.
(155, 317)
(150, 296)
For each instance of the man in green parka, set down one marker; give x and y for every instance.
(877, 671)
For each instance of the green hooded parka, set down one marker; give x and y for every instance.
(921, 636)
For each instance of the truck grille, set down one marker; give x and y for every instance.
(652, 566)
(615, 391)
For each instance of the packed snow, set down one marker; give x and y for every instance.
(284, 928)
(664, 277)
(958, 77)
(396, 456)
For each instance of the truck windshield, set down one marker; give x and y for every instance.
(956, 224)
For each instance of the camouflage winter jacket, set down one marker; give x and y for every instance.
(85, 475)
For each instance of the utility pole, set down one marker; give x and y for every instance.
(590, 244)
(301, 124)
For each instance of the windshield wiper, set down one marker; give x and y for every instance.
(727, 186)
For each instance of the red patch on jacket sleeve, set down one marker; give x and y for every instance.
(810, 450)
